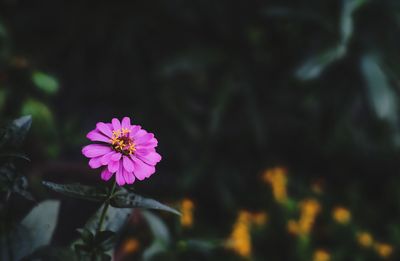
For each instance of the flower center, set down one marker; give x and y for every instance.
(121, 141)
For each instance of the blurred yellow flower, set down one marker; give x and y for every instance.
(187, 208)
(384, 250)
(293, 227)
(259, 218)
(365, 239)
(131, 245)
(321, 255)
(240, 240)
(341, 215)
(277, 177)
(309, 209)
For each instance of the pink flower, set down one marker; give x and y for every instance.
(124, 149)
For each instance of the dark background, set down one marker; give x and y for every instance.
(229, 88)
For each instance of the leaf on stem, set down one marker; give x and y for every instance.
(78, 191)
(128, 199)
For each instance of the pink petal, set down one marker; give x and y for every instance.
(126, 123)
(116, 124)
(97, 136)
(106, 175)
(107, 157)
(95, 163)
(139, 134)
(95, 150)
(113, 166)
(104, 128)
(142, 170)
(128, 164)
(144, 151)
(120, 176)
(151, 158)
(144, 139)
(134, 130)
(116, 156)
(129, 177)
(149, 145)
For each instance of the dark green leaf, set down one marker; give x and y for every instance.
(78, 191)
(128, 199)
(381, 95)
(316, 64)
(86, 253)
(105, 240)
(15, 155)
(86, 235)
(35, 231)
(23, 124)
(7, 175)
(160, 234)
(14, 134)
(113, 221)
(21, 187)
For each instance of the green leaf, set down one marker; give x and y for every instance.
(20, 186)
(316, 64)
(12, 182)
(7, 175)
(128, 199)
(15, 155)
(21, 127)
(86, 236)
(381, 95)
(23, 124)
(115, 218)
(161, 235)
(35, 231)
(346, 18)
(14, 134)
(78, 191)
(45, 82)
(105, 240)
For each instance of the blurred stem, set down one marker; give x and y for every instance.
(105, 208)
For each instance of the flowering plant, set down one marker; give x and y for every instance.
(124, 151)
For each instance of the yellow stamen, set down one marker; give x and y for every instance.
(121, 141)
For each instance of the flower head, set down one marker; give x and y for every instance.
(277, 177)
(384, 250)
(309, 209)
(187, 207)
(240, 239)
(365, 239)
(123, 149)
(341, 215)
(321, 255)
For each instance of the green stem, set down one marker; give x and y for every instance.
(105, 208)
